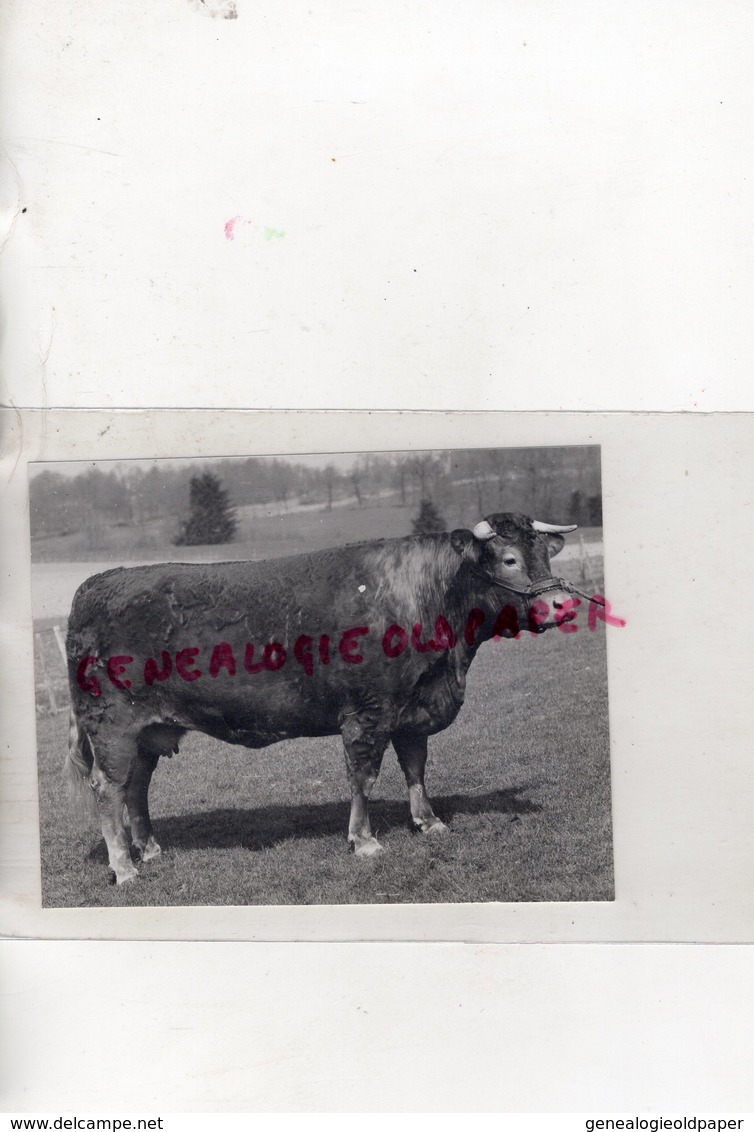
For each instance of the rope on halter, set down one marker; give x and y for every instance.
(541, 587)
(538, 588)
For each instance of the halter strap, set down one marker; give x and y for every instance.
(536, 588)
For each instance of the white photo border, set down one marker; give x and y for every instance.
(680, 750)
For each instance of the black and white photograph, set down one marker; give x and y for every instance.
(371, 677)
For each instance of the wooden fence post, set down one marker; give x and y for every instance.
(586, 563)
(45, 677)
(61, 645)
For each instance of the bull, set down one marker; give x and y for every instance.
(371, 641)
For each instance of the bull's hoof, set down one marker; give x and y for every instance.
(366, 846)
(145, 852)
(151, 850)
(122, 877)
(433, 826)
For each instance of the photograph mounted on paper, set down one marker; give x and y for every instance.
(363, 678)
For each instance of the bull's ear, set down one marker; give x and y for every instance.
(464, 544)
(555, 544)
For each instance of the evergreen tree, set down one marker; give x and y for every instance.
(212, 517)
(429, 521)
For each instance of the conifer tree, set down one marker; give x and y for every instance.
(429, 521)
(212, 517)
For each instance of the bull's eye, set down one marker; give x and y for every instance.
(510, 561)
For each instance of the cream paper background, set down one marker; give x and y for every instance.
(676, 490)
(513, 205)
(578, 212)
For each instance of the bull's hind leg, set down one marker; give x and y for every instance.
(364, 751)
(155, 740)
(412, 755)
(137, 803)
(108, 777)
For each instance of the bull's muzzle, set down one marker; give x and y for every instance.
(556, 608)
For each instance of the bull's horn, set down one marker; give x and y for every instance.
(483, 530)
(549, 529)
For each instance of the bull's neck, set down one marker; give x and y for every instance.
(467, 593)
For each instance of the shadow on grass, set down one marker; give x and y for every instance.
(263, 828)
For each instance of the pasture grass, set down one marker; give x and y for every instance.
(262, 533)
(522, 779)
(259, 535)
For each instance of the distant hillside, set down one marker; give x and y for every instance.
(283, 507)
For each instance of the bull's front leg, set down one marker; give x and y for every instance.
(412, 755)
(364, 749)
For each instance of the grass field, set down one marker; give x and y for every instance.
(522, 779)
(261, 534)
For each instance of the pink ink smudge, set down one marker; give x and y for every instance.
(230, 227)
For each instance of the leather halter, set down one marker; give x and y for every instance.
(534, 589)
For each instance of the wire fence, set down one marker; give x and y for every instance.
(51, 673)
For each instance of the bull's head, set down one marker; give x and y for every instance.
(512, 552)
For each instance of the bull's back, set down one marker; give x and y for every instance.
(214, 647)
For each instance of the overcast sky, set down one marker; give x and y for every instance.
(342, 460)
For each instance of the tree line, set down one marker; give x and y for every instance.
(557, 484)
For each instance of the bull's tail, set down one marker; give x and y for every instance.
(76, 770)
